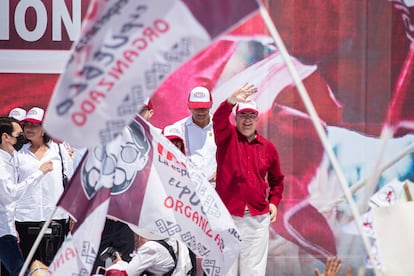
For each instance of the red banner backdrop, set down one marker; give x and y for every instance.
(353, 51)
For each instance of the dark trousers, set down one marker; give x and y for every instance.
(10, 255)
(193, 271)
(50, 243)
(119, 236)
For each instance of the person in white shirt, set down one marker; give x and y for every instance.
(198, 134)
(11, 189)
(152, 257)
(38, 203)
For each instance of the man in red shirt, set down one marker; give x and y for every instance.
(249, 178)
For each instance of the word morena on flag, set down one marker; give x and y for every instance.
(139, 172)
(125, 50)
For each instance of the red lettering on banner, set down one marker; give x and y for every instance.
(219, 241)
(186, 210)
(112, 75)
(140, 43)
(203, 222)
(169, 202)
(60, 260)
(78, 118)
(194, 216)
(160, 148)
(104, 83)
(161, 26)
(179, 206)
(96, 96)
(150, 34)
(121, 65)
(118, 69)
(63, 257)
(169, 156)
(129, 55)
(87, 106)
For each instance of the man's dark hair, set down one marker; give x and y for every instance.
(6, 125)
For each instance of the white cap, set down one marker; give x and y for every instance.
(248, 106)
(200, 97)
(173, 132)
(146, 234)
(18, 113)
(35, 115)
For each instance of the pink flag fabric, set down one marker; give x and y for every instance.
(401, 112)
(400, 115)
(170, 98)
(125, 51)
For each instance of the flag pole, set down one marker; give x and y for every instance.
(37, 242)
(319, 128)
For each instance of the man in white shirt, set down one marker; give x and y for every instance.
(198, 135)
(11, 136)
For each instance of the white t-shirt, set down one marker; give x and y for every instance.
(199, 145)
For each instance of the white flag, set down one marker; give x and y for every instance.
(126, 49)
(151, 184)
(77, 254)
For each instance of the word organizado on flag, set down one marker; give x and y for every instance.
(125, 50)
(149, 183)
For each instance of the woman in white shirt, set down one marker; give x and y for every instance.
(39, 201)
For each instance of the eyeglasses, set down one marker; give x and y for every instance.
(246, 116)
